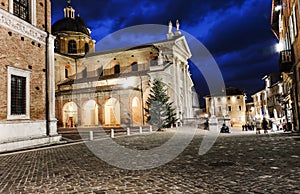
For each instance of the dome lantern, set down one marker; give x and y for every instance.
(69, 12)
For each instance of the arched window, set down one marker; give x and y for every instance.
(66, 73)
(86, 48)
(134, 66)
(100, 71)
(117, 69)
(84, 73)
(154, 61)
(56, 46)
(72, 46)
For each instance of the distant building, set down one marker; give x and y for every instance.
(27, 114)
(110, 88)
(269, 102)
(233, 105)
(250, 112)
(260, 104)
(274, 90)
(285, 23)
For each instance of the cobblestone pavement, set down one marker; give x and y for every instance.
(235, 164)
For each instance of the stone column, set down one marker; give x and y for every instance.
(185, 90)
(179, 108)
(51, 87)
(175, 84)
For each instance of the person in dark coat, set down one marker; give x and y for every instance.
(224, 129)
(265, 125)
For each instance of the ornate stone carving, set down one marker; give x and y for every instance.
(16, 24)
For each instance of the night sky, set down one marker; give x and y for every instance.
(237, 33)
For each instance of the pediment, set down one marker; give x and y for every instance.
(182, 45)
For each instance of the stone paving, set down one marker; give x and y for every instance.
(237, 163)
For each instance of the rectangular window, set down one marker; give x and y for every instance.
(21, 9)
(18, 95)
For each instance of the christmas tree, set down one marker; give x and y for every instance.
(160, 111)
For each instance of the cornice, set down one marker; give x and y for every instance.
(18, 25)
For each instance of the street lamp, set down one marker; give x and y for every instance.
(279, 47)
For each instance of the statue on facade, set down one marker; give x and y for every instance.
(170, 27)
(160, 58)
(177, 25)
(177, 32)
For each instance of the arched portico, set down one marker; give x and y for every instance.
(112, 112)
(70, 114)
(90, 114)
(136, 111)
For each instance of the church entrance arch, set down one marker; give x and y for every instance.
(70, 115)
(112, 112)
(90, 114)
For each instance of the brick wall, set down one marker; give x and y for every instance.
(21, 52)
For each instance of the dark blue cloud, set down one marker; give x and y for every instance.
(236, 32)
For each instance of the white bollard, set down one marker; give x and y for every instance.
(150, 129)
(181, 124)
(91, 136)
(176, 125)
(128, 131)
(112, 133)
(141, 130)
(171, 126)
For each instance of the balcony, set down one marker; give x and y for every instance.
(286, 61)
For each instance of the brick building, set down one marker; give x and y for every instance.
(285, 25)
(27, 115)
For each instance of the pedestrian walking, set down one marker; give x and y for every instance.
(258, 126)
(265, 125)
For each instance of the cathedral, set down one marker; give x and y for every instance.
(110, 88)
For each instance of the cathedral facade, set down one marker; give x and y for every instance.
(27, 116)
(110, 88)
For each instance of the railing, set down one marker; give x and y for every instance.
(286, 56)
(286, 61)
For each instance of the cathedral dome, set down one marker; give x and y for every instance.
(69, 24)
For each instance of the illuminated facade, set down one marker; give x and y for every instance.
(110, 88)
(233, 105)
(285, 25)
